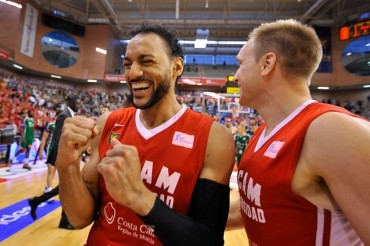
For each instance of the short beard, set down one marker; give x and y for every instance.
(158, 94)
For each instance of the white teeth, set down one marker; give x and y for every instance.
(140, 85)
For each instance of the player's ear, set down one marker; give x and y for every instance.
(268, 63)
(178, 67)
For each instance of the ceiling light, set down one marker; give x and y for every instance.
(56, 76)
(92, 81)
(201, 38)
(17, 66)
(200, 43)
(233, 42)
(102, 51)
(58, 12)
(323, 87)
(366, 86)
(186, 41)
(12, 3)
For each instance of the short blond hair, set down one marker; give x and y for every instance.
(297, 46)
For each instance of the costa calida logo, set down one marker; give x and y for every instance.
(109, 213)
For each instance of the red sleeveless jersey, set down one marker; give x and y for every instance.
(171, 156)
(272, 213)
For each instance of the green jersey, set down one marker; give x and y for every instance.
(28, 132)
(240, 145)
(50, 128)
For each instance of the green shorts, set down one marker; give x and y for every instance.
(27, 143)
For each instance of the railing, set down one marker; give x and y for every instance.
(217, 71)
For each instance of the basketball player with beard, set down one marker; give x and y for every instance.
(157, 173)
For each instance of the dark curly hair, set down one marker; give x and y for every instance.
(169, 36)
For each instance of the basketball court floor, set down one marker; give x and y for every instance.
(18, 228)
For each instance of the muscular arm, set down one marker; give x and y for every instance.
(336, 151)
(79, 190)
(220, 155)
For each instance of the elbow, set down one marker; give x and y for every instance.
(78, 221)
(79, 224)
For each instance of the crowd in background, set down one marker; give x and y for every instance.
(18, 95)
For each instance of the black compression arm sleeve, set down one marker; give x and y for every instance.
(205, 223)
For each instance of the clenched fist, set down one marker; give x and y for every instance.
(121, 171)
(76, 136)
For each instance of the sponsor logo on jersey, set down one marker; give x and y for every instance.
(113, 135)
(250, 199)
(109, 213)
(183, 139)
(274, 149)
(129, 228)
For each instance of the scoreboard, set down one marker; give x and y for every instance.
(354, 30)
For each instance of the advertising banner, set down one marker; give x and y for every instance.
(29, 31)
(4, 55)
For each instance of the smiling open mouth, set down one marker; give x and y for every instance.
(140, 86)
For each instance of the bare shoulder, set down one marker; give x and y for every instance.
(220, 136)
(220, 154)
(335, 149)
(337, 137)
(336, 154)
